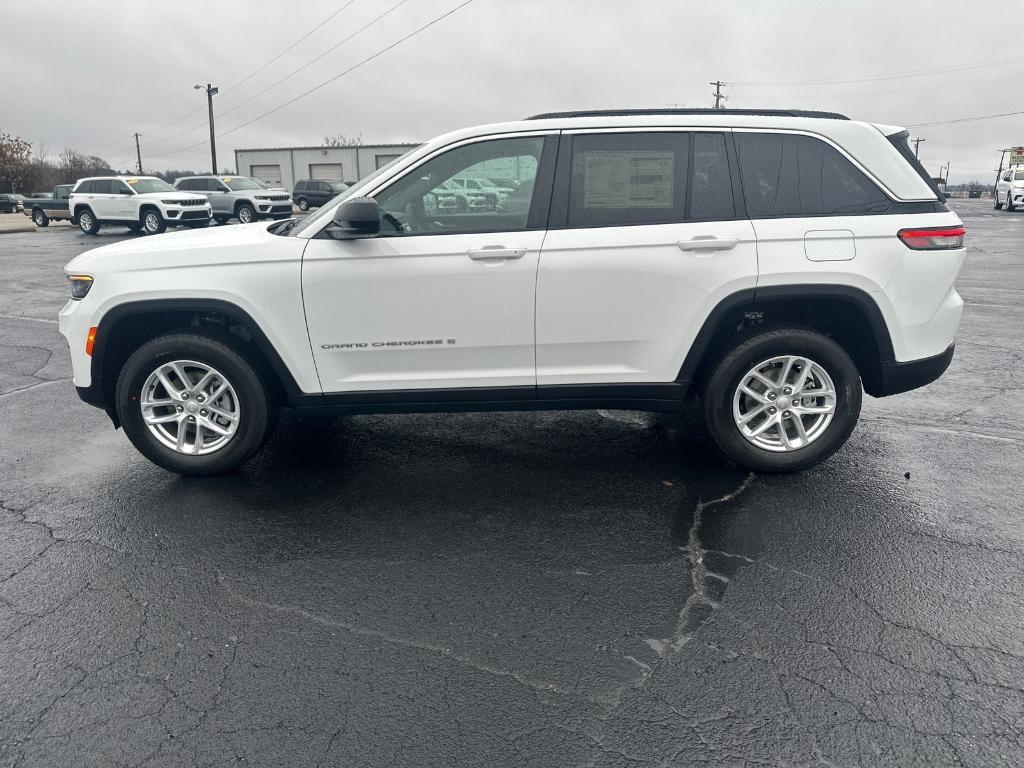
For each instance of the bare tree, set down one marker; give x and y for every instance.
(15, 155)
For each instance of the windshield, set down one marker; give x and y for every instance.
(143, 186)
(239, 183)
(310, 223)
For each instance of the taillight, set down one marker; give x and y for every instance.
(932, 238)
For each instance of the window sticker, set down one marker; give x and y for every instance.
(632, 179)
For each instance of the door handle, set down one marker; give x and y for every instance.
(496, 253)
(708, 243)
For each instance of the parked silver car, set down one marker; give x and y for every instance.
(238, 197)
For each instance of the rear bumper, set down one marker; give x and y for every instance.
(895, 377)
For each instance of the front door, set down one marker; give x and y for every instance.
(646, 237)
(438, 299)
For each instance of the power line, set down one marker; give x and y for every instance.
(965, 119)
(307, 64)
(944, 86)
(354, 67)
(282, 53)
(895, 75)
(329, 80)
(258, 69)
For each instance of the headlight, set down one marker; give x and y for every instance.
(171, 202)
(80, 285)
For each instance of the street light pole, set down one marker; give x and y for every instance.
(211, 91)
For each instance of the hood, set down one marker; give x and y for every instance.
(173, 249)
(175, 194)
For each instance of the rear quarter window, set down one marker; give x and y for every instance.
(786, 175)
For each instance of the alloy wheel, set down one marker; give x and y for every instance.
(190, 407)
(784, 403)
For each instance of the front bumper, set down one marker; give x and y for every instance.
(895, 377)
(274, 209)
(188, 213)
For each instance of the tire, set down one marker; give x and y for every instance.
(1010, 207)
(722, 401)
(248, 397)
(39, 218)
(221, 219)
(996, 202)
(303, 204)
(246, 214)
(87, 221)
(152, 222)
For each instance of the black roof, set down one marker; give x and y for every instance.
(691, 111)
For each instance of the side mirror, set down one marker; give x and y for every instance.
(124, 191)
(356, 218)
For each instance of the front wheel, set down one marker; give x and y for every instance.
(246, 214)
(194, 405)
(782, 401)
(87, 222)
(1010, 207)
(153, 223)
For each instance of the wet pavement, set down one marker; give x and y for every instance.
(557, 589)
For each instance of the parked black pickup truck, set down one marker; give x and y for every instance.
(43, 209)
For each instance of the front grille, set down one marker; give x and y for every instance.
(195, 215)
(191, 202)
(279, 198)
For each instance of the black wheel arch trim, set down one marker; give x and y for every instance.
(98, 393)
(751, 297)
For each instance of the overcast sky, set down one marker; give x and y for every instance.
(89, 73)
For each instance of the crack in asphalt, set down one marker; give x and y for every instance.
(542, 686)
(689, 621)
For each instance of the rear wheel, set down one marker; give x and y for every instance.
(87, 222)
(194, 405)
(782, 401)
(40, 218)
(152, 222)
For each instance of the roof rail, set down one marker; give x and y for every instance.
(691, 111)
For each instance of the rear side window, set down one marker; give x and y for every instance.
(787, 175)
(185, 184)
(300, 185)
(102, 187)
(619, 179)
(85, 187)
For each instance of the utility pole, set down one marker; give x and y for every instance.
(138, 155)
(719, 97)
(916, 143)
(211, 91)
(1000, 171)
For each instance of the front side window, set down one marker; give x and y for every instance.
(117, 186)
(429, 199)
(789, 175)
(239, 184)
(1018, 176)
(620, 179)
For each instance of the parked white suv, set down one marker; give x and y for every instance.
(773, 264)
(143, 203)
(1010, 189)
(238, 197)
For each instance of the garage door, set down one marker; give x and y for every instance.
(271, 174)
(326, 171)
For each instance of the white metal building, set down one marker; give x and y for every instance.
(283, 166)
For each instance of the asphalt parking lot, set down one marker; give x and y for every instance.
(560, 589)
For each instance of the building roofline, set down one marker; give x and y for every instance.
(353, 146)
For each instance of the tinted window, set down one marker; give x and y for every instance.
(85, 187)
(102, 187)
(711, 194)
(185, 184)
(786, 175)
(618, 179)
(116, 186)
(300, 185)
(425, 202)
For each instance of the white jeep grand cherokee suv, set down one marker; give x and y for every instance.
(774, 264)
(143, 203)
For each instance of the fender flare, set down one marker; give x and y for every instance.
(751, 297)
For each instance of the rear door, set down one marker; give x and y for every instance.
(101, 199)
(647, 234)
